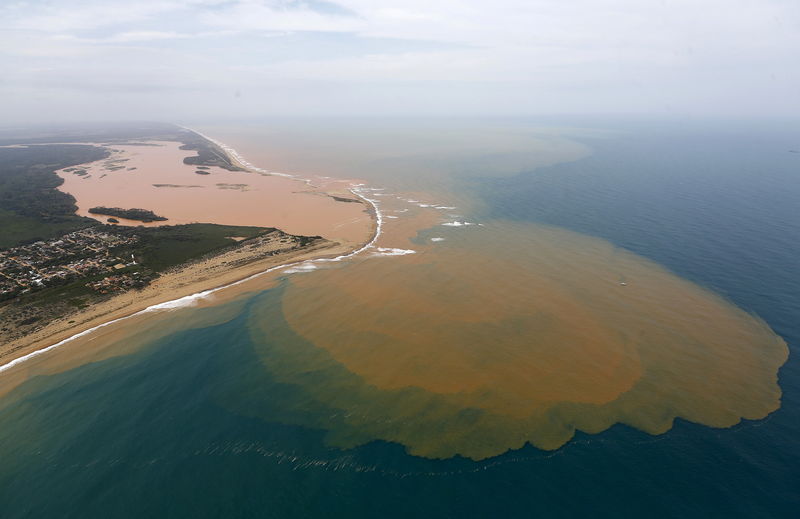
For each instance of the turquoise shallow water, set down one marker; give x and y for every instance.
(194, 425)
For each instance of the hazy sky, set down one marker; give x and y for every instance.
(199, 59)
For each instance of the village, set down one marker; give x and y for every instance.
(79, 254)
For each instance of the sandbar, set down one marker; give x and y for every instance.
(295, 206)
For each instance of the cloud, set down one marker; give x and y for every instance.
(374, 56)
(55, 17)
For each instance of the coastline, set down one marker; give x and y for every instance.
(160, 177)
(186, 284)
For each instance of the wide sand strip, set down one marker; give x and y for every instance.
(223, 269)
(294, 205)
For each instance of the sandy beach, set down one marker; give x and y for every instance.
(217, 271)
(346, 226)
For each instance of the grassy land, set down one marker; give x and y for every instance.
(75, 294)
(208, 153)
(17, 229)
(160, 248)
(31, 208)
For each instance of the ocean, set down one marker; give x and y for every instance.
(560, 318)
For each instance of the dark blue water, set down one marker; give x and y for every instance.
(719, 206)
(171, 430)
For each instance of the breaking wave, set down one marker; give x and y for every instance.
(358, 190)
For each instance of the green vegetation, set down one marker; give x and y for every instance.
(343, 199)
(75, 293)
(31, 206)
(18, 229)
(33, 210)
(141, 215)
(208, 153)
(160, 248)
(155, 250)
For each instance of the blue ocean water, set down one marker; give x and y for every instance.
(182, 428)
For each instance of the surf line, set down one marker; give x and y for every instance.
(357, 190)
(238, 158)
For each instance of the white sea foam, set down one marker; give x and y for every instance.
(458, 224)
(241, 160)
(306, 266)
(358, 190)
(390, 216)
(189, 300)
(437, 238)
(388, 251)
(445, 207)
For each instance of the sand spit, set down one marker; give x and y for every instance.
(171, 290)
(199, 280)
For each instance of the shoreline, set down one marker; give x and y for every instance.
(129, 304)
(160, 177)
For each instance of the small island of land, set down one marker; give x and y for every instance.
(345, 199)
(141, 215)
(63, 272)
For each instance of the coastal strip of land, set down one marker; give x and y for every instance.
(217, 271)
(246, 258)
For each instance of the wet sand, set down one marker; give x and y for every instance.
(478, 339)
(146, 177)
(188, 280)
